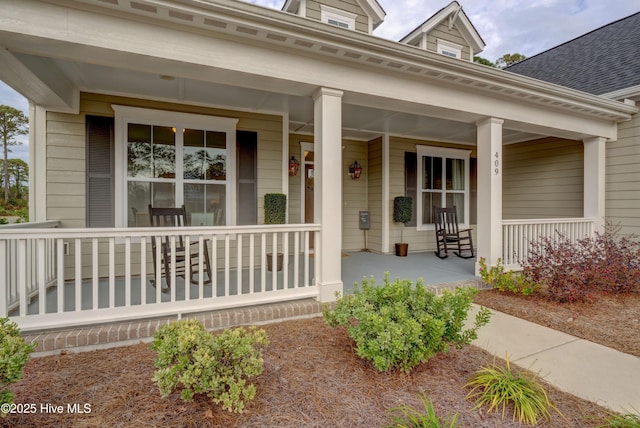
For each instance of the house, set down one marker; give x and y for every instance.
(604, 62)
(214, 103)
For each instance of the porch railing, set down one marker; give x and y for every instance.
(517, 235)
(104, 275)
(26, 266)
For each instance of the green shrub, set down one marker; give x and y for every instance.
(219, 366)
(509, 281)
(275, 208)
(498, 386)
(14, 354)
(398, 325)
(413, 418)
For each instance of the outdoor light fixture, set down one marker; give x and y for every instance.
(355, 171)
(294, 166)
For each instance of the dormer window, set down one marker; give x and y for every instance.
(337, 17)
(449, 49)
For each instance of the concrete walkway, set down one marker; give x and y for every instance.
(594, 372)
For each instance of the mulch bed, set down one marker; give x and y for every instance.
(610, 320)
(312, 378)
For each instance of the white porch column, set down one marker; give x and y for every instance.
(594, 180)
(328, 190)
(37, 163)
(489, 233)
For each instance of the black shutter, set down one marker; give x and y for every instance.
(99, 182)
(247, 178)
(410, 182)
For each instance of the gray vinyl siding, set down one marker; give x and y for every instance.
(374, 235)
(543, 179)
(351, 6)
(422, 240)
(452, 35)
(623, 178)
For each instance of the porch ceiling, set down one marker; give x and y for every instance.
(360, 122)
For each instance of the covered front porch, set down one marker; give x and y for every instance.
(443, 131)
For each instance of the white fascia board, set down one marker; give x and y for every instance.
(374, 10)
(632, 93)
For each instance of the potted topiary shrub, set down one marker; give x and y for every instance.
(275, 212)
(402, 209)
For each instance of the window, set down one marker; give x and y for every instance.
(168, 159)
(442, 181)
(337, 17)
(449, 49)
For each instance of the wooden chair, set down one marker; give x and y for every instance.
(449, 235)
(177, 217)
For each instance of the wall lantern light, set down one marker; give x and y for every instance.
(294, 166)
(355, 171)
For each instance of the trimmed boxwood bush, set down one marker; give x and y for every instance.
(275, 208)
(399, 325)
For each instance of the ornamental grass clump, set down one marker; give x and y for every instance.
(197, 362)
(14, 354)
(500, 387)
(406, 416)
(398, 325)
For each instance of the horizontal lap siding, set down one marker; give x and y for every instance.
(418, 240)
(452, 35)
(623, 178)
(66, 164)
(374, 235)
(351, 6)
(543, 179)
(354, 192)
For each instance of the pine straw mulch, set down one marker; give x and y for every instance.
(610, 320)
(312, 378)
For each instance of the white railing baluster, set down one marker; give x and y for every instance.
(306, 259)
(60, 272)
(42, 284)
(214, 266)
(296, 260)
(158, 272)
(201, 247)
(263, 262)
(21, 277)
(96, 277)
(143, 271)
(187, 267)
(127, 271)
(112, 272)
(239, 264)
(78, 273)
(252, 254)
(227, 262)
(285, 261)
(172, 249)
(274, 261)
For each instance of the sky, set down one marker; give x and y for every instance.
(507, 26)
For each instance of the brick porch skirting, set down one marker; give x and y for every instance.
(127, 333)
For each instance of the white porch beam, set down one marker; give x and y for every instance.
(46, 86)
(328, 190)
(594, 180)
(489, 190)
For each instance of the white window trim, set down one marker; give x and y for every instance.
(442, 152)
(330, 13)
(125, 115)
(445, 45)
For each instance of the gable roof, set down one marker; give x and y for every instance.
(371, 7)
(602, 61)
(454, 12)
